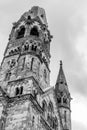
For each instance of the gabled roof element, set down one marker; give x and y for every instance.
(61, 84)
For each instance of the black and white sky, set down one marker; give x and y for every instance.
(67, 21)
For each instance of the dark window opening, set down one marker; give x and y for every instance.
(42, 15)
(11, 52)
(32, 63)
(21, 33)
(29, 17)
(15, 50)
(21, 89)
(65, 83)
(23, 63)
(44, 106)
(61, 82)
(40, 53)
(65, 116)
(35, 94)
(19, 49)
(50, 107)
(53, 124)
(65, 100)
(48, 117)
(26, 47)
(59, 100)
(33, 118)
(31, 12)
(17, 91)
(34, 32)
(34, 48)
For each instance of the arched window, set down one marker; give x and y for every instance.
(44, 105)
(59, 99)
(17, 91)
(65, 100)
(29, 17)
(34, 31)
(32, 61)
(21, 32)
(50, 107)
(21, 89)
(33, 48)
(65, 116)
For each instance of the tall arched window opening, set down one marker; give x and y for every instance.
(17, 91)
(21, 89)
(21, 32)
(34, 31)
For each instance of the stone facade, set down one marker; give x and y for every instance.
(27, 101)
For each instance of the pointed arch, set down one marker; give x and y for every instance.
(44, 105)
(59, 99)
(34, 31)
(20, 32)
(65, 99)
(17, 91)
(21, 89)
(50, 107)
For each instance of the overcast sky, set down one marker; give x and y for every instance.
(67, 21)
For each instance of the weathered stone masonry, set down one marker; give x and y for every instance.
(27, 101)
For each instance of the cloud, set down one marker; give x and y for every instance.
(69, 26)
(78, 126)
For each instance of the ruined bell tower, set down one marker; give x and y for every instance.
(27, 101)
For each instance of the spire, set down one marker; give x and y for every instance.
(61, 84)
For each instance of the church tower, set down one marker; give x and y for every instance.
(63, 99)
(25, 69)
(27, 101)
